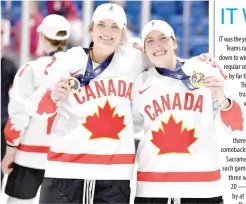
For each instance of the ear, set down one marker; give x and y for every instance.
(123, 35)
(175, 44)
(91, 29)
(145, 52)
(144, 49)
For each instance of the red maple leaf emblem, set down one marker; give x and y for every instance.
(170, 138)
(10, 133)
(46, 104)
(105, 124)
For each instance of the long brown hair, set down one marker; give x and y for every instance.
(60, 44)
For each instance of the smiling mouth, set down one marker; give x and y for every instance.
(106, 38)
(157, 54)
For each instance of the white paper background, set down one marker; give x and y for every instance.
(225, 139)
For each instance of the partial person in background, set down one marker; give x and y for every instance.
(175, 103)
(8, 71)
(28, 137)
(35, 20)
(69, 10)
(66, 8)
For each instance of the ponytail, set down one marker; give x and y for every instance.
(59, 44)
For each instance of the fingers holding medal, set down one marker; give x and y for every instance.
(64, 87)
(61, 89)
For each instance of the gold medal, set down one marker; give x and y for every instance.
(197, 79)
(74, 84)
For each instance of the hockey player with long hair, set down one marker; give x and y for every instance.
(175, 103)
(92, 157)
(28, 137)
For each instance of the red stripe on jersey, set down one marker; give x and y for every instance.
(46, 104)
(33, 148)
(179, 176)
(92, 158)
(233, 117)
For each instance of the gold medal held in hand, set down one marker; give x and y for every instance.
(74, 84)
(197, 79)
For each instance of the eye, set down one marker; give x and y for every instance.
(163, 37)
(149, 41)
(115, 27)
(101, 25)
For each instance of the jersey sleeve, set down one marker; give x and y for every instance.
(138, 119)
(40, 102)
(18, 116)
(143, 59)
(31, 99)
(233, 118)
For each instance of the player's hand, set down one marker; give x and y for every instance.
(8, 160)
(61, 90)
(209, 59)
(216, 85)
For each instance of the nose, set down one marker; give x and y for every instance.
(107, 31)
(158, 45)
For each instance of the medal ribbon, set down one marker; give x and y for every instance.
(90, 73)
(178, 74)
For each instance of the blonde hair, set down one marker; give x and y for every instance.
(60, 44)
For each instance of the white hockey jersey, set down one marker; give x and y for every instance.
(177, 155)
(29, 134)
(94, 128)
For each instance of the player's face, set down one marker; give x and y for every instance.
(106, 34)
(159, 48)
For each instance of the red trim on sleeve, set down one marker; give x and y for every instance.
(233, 117)
(47, 105)
(10, 133)
(33, 148)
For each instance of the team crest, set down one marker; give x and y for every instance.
(74, 84)
(197, 79)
